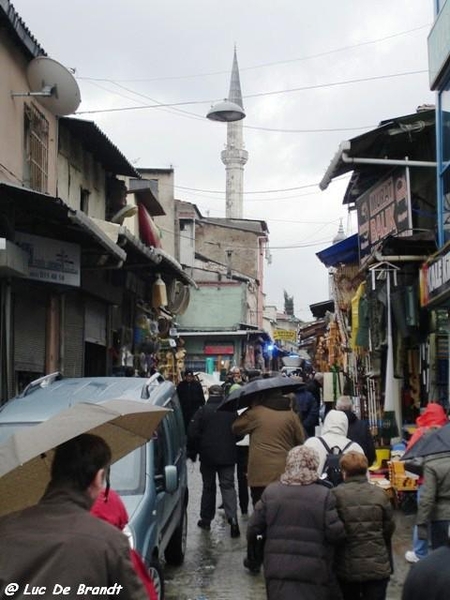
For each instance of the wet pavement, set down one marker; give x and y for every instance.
(213, 567)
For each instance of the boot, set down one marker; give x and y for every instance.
(234, 528)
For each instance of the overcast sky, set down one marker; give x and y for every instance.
(298, 64)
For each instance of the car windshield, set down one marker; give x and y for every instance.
(127, 474)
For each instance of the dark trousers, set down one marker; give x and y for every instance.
(241, 473)
(209, 491)
(439, 533)
(256, 493)
(364, 590)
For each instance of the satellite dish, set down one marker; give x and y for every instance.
(54, 86)
(129, 210)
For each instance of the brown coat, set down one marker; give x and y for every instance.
(272, 434)
(59, 542)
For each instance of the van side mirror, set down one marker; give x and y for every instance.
(170, 479)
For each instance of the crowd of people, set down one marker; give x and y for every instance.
(315, 536)
(318, 527)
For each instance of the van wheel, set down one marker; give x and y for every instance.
(176, 548)
(156, 575)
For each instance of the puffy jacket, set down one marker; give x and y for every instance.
(301, 526)
(367, 514)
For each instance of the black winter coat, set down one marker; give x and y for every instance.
(301, 526)
(359, 432)
(429, 578)
(190, 394)
(210, 434)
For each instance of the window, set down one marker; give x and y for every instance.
(36, 149)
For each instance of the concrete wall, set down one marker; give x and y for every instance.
(214, 241)
(215, 307)
(12, 156)
(78, 170)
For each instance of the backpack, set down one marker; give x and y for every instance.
(331, 468)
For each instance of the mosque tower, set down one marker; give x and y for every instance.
(234, 156)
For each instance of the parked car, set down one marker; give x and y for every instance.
(151, 480)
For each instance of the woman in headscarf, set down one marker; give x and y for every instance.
(298, 518)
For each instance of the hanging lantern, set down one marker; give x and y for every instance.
(159, 292)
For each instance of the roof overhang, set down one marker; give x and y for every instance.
(146, 192)
(392, 143)
(100, 146)
(40, 214)
(140, 256)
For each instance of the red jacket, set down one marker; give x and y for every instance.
(112, 510)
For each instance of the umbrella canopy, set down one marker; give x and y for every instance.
(435, 442)
(26, 456)
(242, 397)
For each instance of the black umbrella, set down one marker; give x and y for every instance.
(242, 397)
(435, 442)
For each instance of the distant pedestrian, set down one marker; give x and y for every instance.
(363, 563)
(211, 437)
(307, 408)
(358, 430)
(334, 433)
(190, 394)
(274, 429)
(432, 418)
(298, 518)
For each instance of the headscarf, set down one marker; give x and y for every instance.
(301, 466)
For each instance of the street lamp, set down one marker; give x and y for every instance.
(226, 112)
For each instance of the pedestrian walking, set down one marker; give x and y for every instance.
(211, 437)
(297, 517)
(307, 408)
(358, 430)
(190, 394)
(363, 563)
(58, 542)
(432, 418)
(433, 510)
(334, 434)
(274, 429)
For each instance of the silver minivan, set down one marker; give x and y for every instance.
(152, 480)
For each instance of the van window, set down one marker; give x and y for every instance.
(160, 454)
(128, 473)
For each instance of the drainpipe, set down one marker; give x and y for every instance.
(387, 161)
(400, 258)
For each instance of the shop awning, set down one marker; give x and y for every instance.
(139, 255)
(343, 252)
(33, 212)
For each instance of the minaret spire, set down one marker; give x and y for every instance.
(234, 156)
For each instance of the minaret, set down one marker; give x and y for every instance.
(234, 156)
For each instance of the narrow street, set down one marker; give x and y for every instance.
(213, 567)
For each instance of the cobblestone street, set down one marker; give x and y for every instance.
(213, 567)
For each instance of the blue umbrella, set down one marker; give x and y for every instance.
(242, 397)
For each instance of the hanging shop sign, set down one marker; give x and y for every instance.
(383, 210)
(218, 349)
(283, 335)
(51, 261)
(435, 279)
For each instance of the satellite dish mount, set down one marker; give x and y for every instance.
(53, 85)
